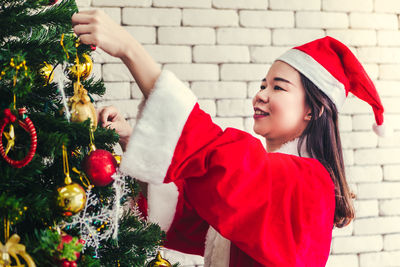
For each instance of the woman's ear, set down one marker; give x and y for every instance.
(309, 115)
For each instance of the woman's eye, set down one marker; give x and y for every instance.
(262, 87)
(276, 87)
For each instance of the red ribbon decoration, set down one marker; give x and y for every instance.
(28, 126)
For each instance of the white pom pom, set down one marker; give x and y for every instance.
(382, 130)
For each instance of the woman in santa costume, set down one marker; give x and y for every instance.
(221, 194)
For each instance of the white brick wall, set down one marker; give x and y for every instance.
(150, 16)
(220, 54)
(344, 5)
(239, 4)
(248, 36)
(373, 21)
(186, 35)
(272, 19)
(222, 48)
(324, 20)
(215, 17)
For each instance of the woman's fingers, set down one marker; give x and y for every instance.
(87, 33)
(102, 117)
(95, 27)
(82, 18)
(83, 28)
(107, 115)
(89, 39)
(110, 117)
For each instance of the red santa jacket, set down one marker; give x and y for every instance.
(220, 194)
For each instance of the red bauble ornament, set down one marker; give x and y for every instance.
(100, 165)
(65, 239)
(65, 263)
(52, 2)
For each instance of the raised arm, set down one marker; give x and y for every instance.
(96, 28)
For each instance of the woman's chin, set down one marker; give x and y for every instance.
(260, 131)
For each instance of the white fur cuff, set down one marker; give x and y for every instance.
(162, 201)
(157, 131)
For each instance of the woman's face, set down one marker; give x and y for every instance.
(280, 112)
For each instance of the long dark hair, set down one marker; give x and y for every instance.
(325, 146)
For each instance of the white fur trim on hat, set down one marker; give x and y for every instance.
(157, 131)
(382, 130)
(317, 74)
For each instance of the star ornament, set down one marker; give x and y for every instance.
(10, 136)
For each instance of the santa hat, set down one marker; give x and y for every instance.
(334, 69)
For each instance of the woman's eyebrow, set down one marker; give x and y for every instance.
(282, 80)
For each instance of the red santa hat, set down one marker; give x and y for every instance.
(334, 69)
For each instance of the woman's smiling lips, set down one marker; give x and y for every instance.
(258, 113)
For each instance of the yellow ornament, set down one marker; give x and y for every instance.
(117, 158)
(81, 107)
(71, 199)
(10, 136)
(47, 72)
(11, 251)
(159, 262)
(83, 69)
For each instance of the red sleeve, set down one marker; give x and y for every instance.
(188, 230)
(167, 205)
(277, 208)
(142, 205)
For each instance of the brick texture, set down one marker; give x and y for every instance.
(182, 3)
(344, 5)
(186, 35)
(215, 18)
(239, 4)
(273, 19)
(295, 4)
(325, 20)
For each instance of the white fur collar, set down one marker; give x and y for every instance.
(291, 148)
(217, 249)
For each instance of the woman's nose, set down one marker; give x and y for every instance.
(262, 96)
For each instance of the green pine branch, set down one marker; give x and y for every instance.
(26, 14)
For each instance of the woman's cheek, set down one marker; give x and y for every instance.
(284, 116)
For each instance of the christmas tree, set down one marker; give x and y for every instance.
(63, 201)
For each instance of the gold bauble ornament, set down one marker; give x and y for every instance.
(47, 72)
(81, 107)
(83, 69)
(159, 262)
(71, 199)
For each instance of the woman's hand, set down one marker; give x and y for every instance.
(110, 117)
(94, 27)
